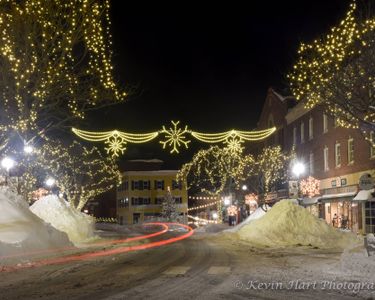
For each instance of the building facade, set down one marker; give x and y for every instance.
(140, 196)
(337, 156)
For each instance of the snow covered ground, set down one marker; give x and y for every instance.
(21, 231)
(56, 211)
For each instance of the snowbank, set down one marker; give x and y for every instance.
(257, 214)
(77, 225)
(288, 224)
(21, 231)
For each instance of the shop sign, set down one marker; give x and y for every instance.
(366, 182)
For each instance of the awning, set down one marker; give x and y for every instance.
(310, 201)
(336, 196)
(364, 195)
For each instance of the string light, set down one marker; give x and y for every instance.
(57, 59)
(203, 206)
(310, 187)
(337, 70)
(175, 137)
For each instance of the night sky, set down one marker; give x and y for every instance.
(209, 67)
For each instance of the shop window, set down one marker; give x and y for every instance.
(370, 217)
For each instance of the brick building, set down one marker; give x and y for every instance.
(337, 156)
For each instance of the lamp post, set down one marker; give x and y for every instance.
(7, 163)
(298, 169)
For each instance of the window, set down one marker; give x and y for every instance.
(294, 136)
(372, 146)
(311, 163)
(350, 150)
(337, 155)
(311, 128)
(370, 217)
(326, 168)
(325, 123)
(123, 202)
(178, 200)
(176, 185)
(302, 132)
(146, 185)
(137, 185)
(159, 200)
(124, 186)
(141, 201)
(159, 184)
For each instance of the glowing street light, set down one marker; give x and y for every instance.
(7, 163)
(50, 181)
(227, 200)
(215, 216)
(244, 187)
(28, 149)
(298, 169)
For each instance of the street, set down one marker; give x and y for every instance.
(203, 266)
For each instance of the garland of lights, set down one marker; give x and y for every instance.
(203, 206)
(174, 138)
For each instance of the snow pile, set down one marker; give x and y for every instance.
(288, 224)
(21, 231)
(77, 225)
(257, 214)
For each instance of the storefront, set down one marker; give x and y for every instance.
(366, 200)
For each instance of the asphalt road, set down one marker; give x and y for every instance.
(200, 267)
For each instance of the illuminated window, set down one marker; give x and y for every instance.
(338, 155)
(302, 132)
(350, 150)
(311, 163)
(326, 168)
(311, 128)
(325, 123)
(294, 136)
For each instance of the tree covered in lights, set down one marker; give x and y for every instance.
(212, 170)
(81, 174)
(217, 170)
(337, 71)
(169, 207)
(55, 62)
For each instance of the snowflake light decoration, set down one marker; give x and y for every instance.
(115, 145)
(175, 137)
(234, 144)
(310, 186)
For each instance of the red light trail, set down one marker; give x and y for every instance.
(123, 249)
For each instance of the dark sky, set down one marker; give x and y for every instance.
(209, 67)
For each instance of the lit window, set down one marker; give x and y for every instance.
(325, 123)
(338, 155)
(326, 168)
(302, 132)
(350, 150)
(294, 136)
(372, 146)
(311, 163)
(311, 128)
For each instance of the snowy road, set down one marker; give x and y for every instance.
(200, 267)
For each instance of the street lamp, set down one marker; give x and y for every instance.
(28, 149)
(244, 187)
(227, 200)
(7, 163)
(50, 181)
(298, 169)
